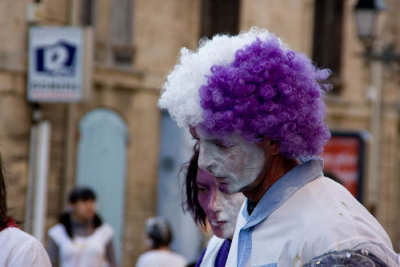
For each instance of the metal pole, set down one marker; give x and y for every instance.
(41, 171)
(68, 181)
(376, 130)
(31, 179)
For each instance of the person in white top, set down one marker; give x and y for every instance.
(256, 108)
(158, 238)
(17, 248)
(81, 239)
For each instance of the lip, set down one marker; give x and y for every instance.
(217, 223)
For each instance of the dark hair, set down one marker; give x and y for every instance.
(79, 193)
(3, 199)
(192, 203)
(159, 231)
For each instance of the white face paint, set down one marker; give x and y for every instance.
(221, 209)
(234, 162)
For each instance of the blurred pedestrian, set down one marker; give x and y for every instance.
(17, 248)
(158, 237)
(81, 239)
(206, 202)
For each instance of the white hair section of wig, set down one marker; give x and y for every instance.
(180, 94)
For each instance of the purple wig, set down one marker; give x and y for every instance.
(268, 91)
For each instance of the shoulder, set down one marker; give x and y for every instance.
(179, 257)
(107, 228)
(323, 205)
(56, 229)
(16, 236)
(155, 257)
(319, 199)
(58, 234)
(24, 249)
(106, 231)
(146, 258)
(332, 219)
(176, 259)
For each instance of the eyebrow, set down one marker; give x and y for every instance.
(201, 184)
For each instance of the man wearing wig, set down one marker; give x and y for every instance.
(257, 110)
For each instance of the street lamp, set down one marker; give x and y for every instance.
(366, 13)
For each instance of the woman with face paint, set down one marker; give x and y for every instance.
(207, 203)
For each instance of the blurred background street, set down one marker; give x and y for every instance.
(80, 80)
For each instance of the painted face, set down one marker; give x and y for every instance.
(221, 209)
(234, 162)
(84, 210)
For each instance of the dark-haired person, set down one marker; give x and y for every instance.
(205, 202)
(257, 109)
(158, 238)
(80, 239)
(17, 248)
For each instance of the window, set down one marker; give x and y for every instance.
(101, 165)
(122, 32)
(327, 42)
(87, 12)
(219, 17)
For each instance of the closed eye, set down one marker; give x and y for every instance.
(202, 188)
(221, 144)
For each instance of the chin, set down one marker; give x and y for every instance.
(226, 235)
(222, 233)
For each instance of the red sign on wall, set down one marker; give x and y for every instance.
(343, 158)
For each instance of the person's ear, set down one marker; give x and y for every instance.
(270, 146)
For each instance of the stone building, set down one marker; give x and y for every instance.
(135, 44)
(132, 53)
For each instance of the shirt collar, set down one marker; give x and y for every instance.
(282, 190)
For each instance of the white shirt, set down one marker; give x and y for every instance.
(160, 258)
(18, 248)
(300, 218)
(212, 250)
(82, 251)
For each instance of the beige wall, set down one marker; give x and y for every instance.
(293, 23)
(158, 40)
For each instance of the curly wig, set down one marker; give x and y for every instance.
(255, 86)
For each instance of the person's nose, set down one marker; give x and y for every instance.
(206, 159)
(215, 204)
